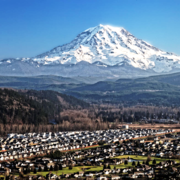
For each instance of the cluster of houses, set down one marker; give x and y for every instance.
(17, 148)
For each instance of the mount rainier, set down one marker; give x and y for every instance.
(102, 52)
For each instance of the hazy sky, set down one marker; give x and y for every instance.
(31, 27)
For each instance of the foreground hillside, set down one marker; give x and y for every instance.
(34, 107)
(24, 111)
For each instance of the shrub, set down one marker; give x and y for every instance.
(101, 143)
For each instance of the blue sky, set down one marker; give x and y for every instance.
(31, 27)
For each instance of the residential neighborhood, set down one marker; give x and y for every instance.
(90, 90)
(104, 154)
(17, 146)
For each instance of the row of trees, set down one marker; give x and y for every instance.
(65, 126)
(135, 113)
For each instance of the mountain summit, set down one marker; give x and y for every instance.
(111, 46)
(107, 50)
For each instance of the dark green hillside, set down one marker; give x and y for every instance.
(65, 101)
(16, 108)
(34, 107)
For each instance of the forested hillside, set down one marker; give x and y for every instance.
(34, 107)
(24, 111)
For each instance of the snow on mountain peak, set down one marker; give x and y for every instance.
(101, 26)
(110, 46)
(104, 43)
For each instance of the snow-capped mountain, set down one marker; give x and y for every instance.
(107, 51)
(111, 46)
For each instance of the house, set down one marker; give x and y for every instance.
(89, 174)
(81, 173)
(51, 176)
(102, 177)
(172, 170)
(114, 177)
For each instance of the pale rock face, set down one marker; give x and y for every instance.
(109, 51)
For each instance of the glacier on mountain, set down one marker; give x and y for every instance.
(103, 46)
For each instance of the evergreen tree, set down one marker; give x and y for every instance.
(39, 169)
(35, 171)
(7, 177)
(60, 167)
(51, 168)
(133, 163)
(25, 171)
(45, 168)
(126, 162)
(154, 161)
(56, 168)
(28, 170)
(147, 162)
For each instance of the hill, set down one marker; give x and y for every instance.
(162, 90)
(34, 107)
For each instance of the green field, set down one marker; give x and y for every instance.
(76, 169)
(144, 158)
(67, 171)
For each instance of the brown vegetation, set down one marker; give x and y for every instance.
(64, 126)
(156, 126)
(35, 109)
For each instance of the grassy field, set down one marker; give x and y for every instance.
(99, 168)
(144, 158)
(68, 171)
